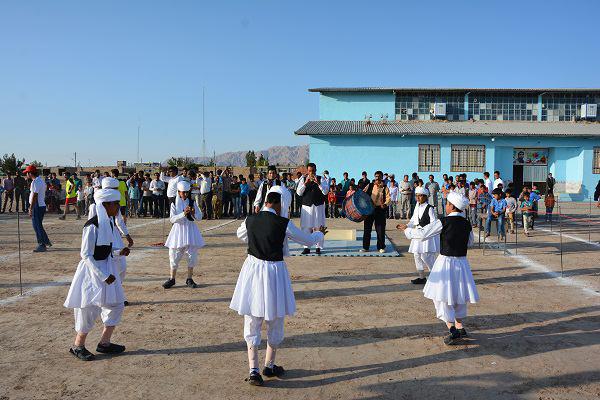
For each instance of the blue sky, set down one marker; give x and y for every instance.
(78, 76)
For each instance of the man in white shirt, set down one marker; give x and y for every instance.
(313, 190)
(205, 184)
(157, 187)
(37, 209)
(171, 180)
(498, 180)
(488, 182)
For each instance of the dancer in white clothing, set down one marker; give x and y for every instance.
(450, 284)
(313, 191)
(96, 287)
(263, 292)
(185, 237)
(424, 251)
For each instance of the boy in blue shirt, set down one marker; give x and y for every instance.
(527, 211)
(496, 211)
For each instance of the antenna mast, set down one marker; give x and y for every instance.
(203, 131)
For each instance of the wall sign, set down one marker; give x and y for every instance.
(530, 156)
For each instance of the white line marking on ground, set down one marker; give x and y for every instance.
(572, 237)
(65, 279)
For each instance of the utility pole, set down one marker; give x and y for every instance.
(203, 131)
(75, 161)
(138, 144)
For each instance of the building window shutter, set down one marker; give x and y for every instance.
(467, 158)
(429, 157)
(596, 161)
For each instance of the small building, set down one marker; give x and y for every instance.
(523, 133)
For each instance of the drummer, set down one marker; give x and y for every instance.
(380, 195)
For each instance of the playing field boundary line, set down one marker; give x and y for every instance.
(572, 237)
(67, 279)
(565, 281)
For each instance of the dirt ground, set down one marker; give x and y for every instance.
(362, 330)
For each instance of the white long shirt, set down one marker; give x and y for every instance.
(157, 187)
(429, 231)
(118, 219)
(171, 183)
(292, 232)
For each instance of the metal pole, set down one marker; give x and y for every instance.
(590, 222)
(561, 241)
(19, 242)
(516, 232)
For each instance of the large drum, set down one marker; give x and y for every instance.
(359, 206)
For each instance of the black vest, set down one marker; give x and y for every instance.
(266, 235)
(425, 220)
(313, 196)
(100, 252)
(454, 236)
(265, 187)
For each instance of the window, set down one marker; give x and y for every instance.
(596, 162)
(467, 158)
(429, 157)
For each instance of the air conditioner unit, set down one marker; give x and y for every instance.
(589, 111)
(439, 110)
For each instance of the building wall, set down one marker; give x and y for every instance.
(354, 106)
(570, 159)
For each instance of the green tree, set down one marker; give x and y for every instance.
(262, 161)
(251, 159)
(10, 164)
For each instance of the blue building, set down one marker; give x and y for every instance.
(523, 133)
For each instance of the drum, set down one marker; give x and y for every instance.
(358, 206)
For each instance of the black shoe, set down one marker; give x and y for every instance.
(255, 379)
(275, 371)
(306, 251)
(418, 281)
(82, 353)
(125, 303)
(110, 348)
(169, 283)
(463, 332)
(189, 282)
(318, 251)
(453, 337)
(40, 249)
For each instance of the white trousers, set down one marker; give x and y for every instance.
(253, 325)
(423, 260)
(448, 313)
(85, 318)
(175, 256)
(312, 217)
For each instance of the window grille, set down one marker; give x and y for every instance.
(467, 158)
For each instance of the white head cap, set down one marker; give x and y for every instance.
(183, 186)
(458, 200)
(110, 183)
(421, 190)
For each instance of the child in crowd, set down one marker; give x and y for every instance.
(450, 284)
(549, 202)
(483, 200)
(331, 200)
(394, 195)
(472, 204)
(351, 190)
(496, 211)
(527, 211)
(96, 289)
(81, 199)
(511, 208)
(89, 195)
(185, 237)
(134, 199)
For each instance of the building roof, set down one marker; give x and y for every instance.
(461, 90)
(445, 128)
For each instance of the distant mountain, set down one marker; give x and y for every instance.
(278, 155)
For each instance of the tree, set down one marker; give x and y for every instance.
(36, 163)
(251, 159)
(10, 164)
(262, 161)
